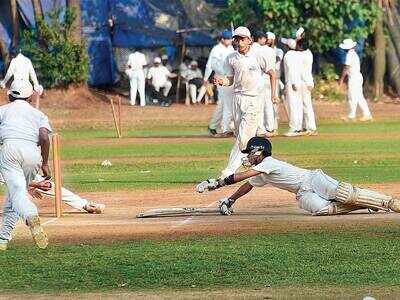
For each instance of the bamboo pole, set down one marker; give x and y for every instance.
(115, 118)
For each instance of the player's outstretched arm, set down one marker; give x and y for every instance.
(213, 184)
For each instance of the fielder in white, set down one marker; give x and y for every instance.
(244, 69)
(355, 94)
(316, 192)
(21, 68)
(268, 123)
(307, 85)
(24, 132)
(293, 66)
(222, 116)
(159, 77)
(193, 78)
(135, 72)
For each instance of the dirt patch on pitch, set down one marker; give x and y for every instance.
(264, 210)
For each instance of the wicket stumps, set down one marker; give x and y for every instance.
(55, 143)
(116, 122)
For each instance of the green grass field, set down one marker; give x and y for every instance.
(350, 154)
(357, 258)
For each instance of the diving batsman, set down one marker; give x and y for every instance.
(315, 191)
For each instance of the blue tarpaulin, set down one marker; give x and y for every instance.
(137, 24)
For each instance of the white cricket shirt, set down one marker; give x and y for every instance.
(22, 69)
(216, 60)
(158, 75)
(353, 62)
(136, 61)
(247, 70)
(20, 121)
(279, 174)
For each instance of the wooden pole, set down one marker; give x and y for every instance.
(183, 53)
(119, 115)
(115, 118)
(55, 141)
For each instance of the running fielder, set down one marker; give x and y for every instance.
(315, 191)
(24, 132)
(244, 69)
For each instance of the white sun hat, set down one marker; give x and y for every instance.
(271, 35)
(242, 31)
(291, 43)
(348, 44)
(20, 89)
(157, 60)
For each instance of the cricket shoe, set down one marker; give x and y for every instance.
(293, 133)
(366, 119)
(311, 132)
(37, 232)
(94, 208)
(3, 245)
(271, 134)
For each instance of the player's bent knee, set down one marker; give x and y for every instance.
(352, 195)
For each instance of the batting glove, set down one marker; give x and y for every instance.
(207, 185)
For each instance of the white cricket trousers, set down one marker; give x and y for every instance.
(247, 112)
(19, 163)
(193, 92)
(295, 105)
(268, 120)
(308, 110)
(223, 113)
(317, 191)
(137, 83)
(356, 98)
(166, 86)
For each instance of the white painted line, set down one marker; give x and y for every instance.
(189, 219)
(49, 221)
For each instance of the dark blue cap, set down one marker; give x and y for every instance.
(226, 34)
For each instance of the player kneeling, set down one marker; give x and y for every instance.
(315, 191)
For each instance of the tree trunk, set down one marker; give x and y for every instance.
(393, 65)
(37, 10)
(379, 58)
(77, 26)
(394, 30)
(4, 53)
(15, 23)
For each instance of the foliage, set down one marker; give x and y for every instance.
(326, 22)
(58, 59)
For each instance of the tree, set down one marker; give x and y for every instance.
(75, 5)
(4, 51)
(327, 23)
(379, 57)
(14, 22)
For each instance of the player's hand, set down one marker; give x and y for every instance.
(218, 80)
(207, 185)
(44, 185)
(46, 171)
(2, 85)
(275, 99)
(205, 82)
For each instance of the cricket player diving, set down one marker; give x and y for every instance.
(316, 192)
(244, 69)
(24, 133)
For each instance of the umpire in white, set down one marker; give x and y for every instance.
(24, 132)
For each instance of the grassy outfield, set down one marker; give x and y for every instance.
(350, 154)
(356, 258)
